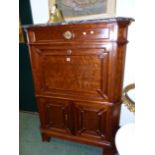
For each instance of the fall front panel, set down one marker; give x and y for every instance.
(77, 71)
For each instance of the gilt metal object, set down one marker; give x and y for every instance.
(126, 99)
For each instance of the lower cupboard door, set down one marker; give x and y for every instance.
(92, 120)
(54, 115)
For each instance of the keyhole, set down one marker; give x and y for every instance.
(68, 59)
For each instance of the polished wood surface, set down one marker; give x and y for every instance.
(78, 75)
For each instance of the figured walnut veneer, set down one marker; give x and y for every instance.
(78, 79)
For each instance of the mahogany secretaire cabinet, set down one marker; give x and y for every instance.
(78, 74)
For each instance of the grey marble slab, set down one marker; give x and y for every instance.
(114, 19)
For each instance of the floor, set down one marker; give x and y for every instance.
(31, 143)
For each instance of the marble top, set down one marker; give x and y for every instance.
(114, 19)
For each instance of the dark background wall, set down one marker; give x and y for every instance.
(26, 88)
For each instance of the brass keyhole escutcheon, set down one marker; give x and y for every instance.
(68, 35)
(68, 59)
(69, 52)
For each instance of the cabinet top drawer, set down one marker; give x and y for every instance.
(110, 29)
(66, 33)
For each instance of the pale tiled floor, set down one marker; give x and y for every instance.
(31, 143)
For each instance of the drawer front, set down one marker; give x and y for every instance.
(70, 33)
(54, 114)
(92, 120)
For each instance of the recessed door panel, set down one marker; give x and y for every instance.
(81, 71)
(91, 120)
(55, 114)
